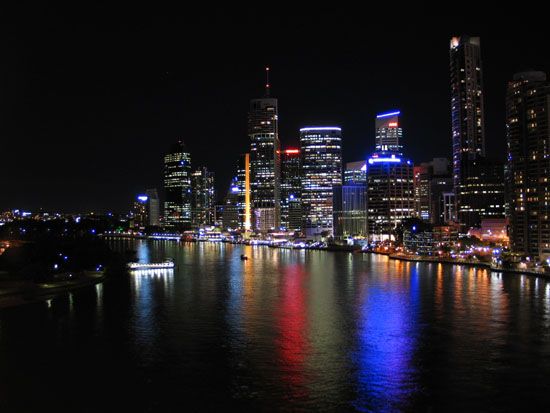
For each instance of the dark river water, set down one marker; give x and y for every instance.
(284, 331)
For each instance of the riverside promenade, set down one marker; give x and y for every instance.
(479, 264)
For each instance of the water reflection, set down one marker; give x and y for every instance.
(302, 330)
(387, 333)
(292, 345)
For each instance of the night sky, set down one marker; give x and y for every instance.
(89, 105)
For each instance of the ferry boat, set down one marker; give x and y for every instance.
(151, 265)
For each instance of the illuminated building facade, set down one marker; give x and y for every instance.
(467, 120)
(350, 211)
(321, 169)
(265, 161)
(388, 132)
(482, 191)
(431, 180)
(390, 185)
(390, 181)
(291, 189)
(422, 188)
(355, 173)
(177, 186)
(140, 216)
(243, 181)
(528, 171)
(204, 197)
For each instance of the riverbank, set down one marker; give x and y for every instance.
(13, 293)
(484, 265)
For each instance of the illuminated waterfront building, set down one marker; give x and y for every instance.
(350, 211)
(528, 161)
(265, 162)
(202, 184)
(467, 121)
(177, 186)
(390, 195)
(321, 169)
(291, 189)
(355, 173)
(390, 180)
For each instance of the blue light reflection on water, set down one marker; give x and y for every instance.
(386, 338)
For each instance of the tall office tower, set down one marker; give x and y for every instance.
(388, 132)
(350, 210)
(153, 204)
(467, 119)
(321, 170)
(390, 180)
(204, 197)
(355, 173)
(265, 162)
(291, 190)
(528, 172)
(177, 186)
(390, 191)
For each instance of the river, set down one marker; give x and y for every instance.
(285, 330)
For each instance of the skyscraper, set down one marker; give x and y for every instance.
(321, 169)
(528, 171)
(390, 181)
(203, 200)
(177, 186)
(291, 189)
(390, 190)
(388, 132)
(467, 118)
(265, 161)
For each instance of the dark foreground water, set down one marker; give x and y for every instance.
(285, 330)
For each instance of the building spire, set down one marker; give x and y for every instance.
(267, 85)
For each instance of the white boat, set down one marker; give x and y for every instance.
(151, 265)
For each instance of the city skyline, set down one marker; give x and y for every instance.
(124, 125)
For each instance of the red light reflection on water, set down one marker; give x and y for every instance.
(292, 326)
